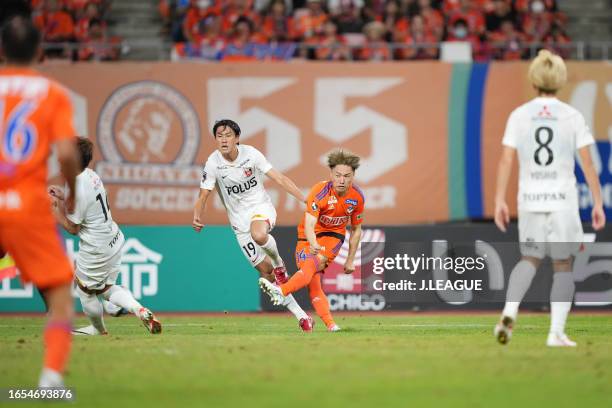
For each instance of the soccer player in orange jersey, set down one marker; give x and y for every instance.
(330, 206)
(36, 113)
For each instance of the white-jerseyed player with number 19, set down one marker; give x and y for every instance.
(99, 259)
(236, 171)
(546, 133)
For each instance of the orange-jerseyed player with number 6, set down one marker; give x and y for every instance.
(36, 113)
(330, 206)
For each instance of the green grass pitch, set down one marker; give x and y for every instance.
(377, 361)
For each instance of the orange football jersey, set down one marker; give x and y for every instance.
(333, 212)
(35, 112)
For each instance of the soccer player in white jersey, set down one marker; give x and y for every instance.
(545, 133)
(237, 172)
(99, 258)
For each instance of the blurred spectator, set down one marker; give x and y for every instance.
(433, 19)
(509, 43)
(198, 11)
(82, 27)
(468, 12)
(278, 24)
(243, 45)
(311, 22)
(535, 6)
(538, 22)
(460, 32)
(335, 6)
(502, 11)
(236, 9)
(97, 47)
(331, 46)
(55, 24)
(555, 41)
(451, 6)
(409, 8)
(348, 19)
(396, 24)
(375, 48)
(420, 41)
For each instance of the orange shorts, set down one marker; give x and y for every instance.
(38, 252)
(330, 248)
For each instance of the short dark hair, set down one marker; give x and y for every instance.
(226, 123)
(344, 157)
(20, 40)
(85, 148)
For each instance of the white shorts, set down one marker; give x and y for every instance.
(98, 278)
(249, 248)
(557, 234)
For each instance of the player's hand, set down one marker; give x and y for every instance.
(349, 266)
(69, 204)
(315, 248)
(197, 224)
(599, 217)
(56, 191)
(502, 215)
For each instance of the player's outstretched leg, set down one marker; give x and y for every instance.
(518, 284)
(123, 298)
(113, 310)
(320, 303)
(561, 296)
(57, 336)
(92, 307)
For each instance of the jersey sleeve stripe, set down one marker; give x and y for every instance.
(324, 191)
(359, 191)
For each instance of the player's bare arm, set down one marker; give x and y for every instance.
(349, 265)
(286, 183)
(502, 214)
(59, 212)
(68, 158)
(56, 191)
(198, 210)
(598, 215)
(309, 231)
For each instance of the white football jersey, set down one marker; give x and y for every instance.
(100, 237)
(546, 134)
(239, 183)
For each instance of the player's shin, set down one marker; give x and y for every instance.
(271, 250)
(561, 295)
(301, 278)
(518, 284)
(122, 298)
(92, 307)
(294, 307)
(57, 336)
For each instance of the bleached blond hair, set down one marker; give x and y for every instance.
(547, 72)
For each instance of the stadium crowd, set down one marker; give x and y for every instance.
(75, 29)
(361, 29)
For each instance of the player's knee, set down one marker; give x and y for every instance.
(562, 265)
(532, 260)
(260, 237)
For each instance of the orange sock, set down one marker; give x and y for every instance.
(302, 277)
(319, 300)
(58, 339)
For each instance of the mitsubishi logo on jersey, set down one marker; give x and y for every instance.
(545, 113)
(332, 221)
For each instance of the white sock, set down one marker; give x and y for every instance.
(272, 251)
(518, 284)
(292, 305)
(561, 296)
(110, 308)
(123, 298)
(92, 307)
